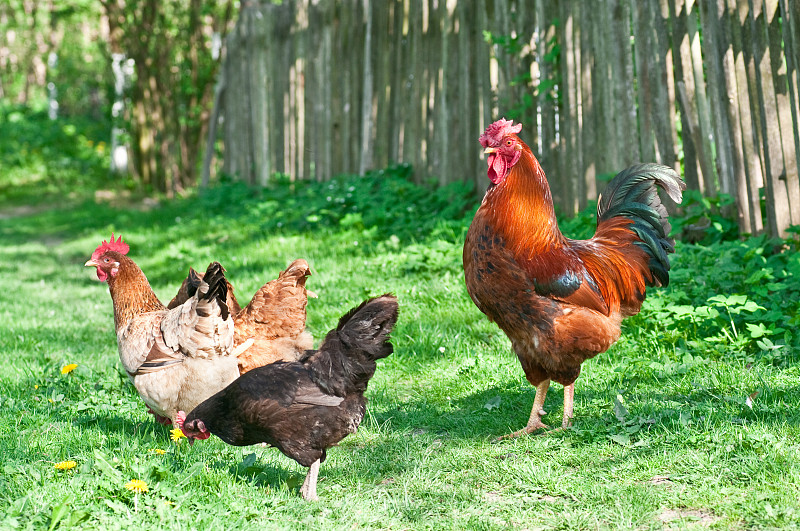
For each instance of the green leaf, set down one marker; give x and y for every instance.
(756, 330)
(493, 403)
(106, 468)
(621, 438)
(619, 409)
(59, 512)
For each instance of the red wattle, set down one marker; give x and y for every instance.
(497, 168)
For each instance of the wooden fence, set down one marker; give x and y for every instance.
(315, 88)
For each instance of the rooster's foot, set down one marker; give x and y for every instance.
(527, 430)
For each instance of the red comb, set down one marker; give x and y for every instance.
(118, 246)
(494, 133)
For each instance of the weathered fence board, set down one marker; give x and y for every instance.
(314, 89)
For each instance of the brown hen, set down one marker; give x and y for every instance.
(272, 327)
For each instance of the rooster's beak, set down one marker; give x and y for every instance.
(489, 150)
(91, 263)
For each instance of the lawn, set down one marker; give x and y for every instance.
(690, 421)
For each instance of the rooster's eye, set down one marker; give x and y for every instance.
(509, 142)
(106, 260)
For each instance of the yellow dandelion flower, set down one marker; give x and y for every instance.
(36, 386)
(66, 465)
(158, 451)
(136, 485)
(176, 434)
(66, 369)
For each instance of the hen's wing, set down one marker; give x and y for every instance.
(275, 320)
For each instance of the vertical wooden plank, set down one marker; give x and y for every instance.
(464, 99)
(646, 78)
(751, 155)
(588, 123)
(587, 184)
(790, 15)
(626, 147)
(706, 132)
(397, 83)
(787, 110)
(381, 59)
(778, 209)
(713, 57)
(326, 158)
(480, 73)
(545, 90)
(681, 56)
(601, 90)
(731, 98)
(573, 189)
(666, 134)
(365, 158)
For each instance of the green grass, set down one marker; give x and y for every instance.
(663, 437)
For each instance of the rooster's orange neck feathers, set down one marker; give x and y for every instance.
(521, 207)
(131, 293)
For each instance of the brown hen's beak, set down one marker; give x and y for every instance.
(489, 150)
(91, 263)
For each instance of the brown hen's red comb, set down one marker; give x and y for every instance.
(494, 133)
(118, 246)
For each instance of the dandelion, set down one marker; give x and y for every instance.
(66, 369)
(65, 465)
(137, 486)
(158, 451)
(176, 434)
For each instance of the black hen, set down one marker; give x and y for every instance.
(304, 407)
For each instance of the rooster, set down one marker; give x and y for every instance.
(272, 327)
(303, 407)
(561, 301)
(176, 357)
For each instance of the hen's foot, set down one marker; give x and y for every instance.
(309, 489)
(166, 421)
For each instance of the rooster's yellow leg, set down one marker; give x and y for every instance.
(569, 395)
(535, 420)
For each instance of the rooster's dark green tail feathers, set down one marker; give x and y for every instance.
(633, 194)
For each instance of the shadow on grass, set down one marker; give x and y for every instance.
(493, 412)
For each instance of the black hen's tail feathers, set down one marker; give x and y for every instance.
(345, 361)
(217, 287)
(633, 194)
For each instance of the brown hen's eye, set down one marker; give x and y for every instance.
(509, 142)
